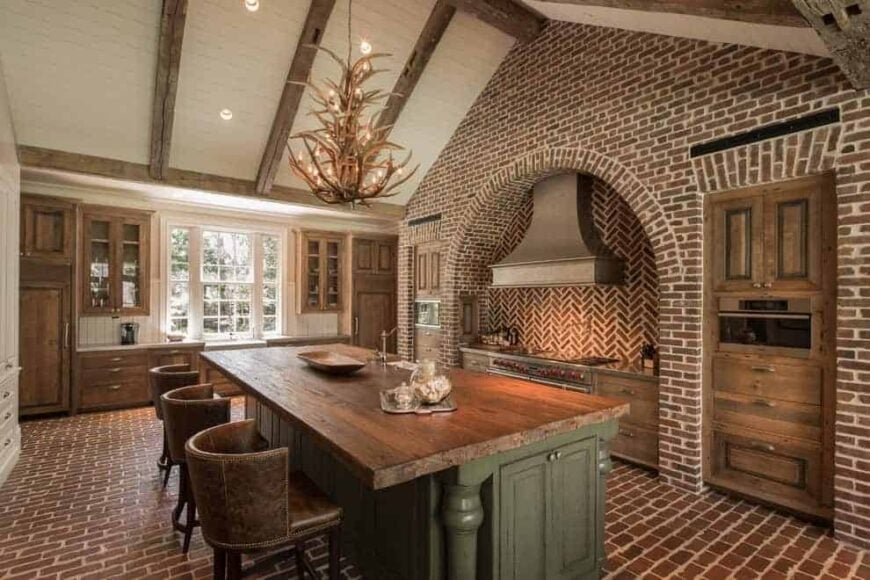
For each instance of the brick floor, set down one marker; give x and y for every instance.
(85, 502)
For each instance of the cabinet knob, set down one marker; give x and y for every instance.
(558, 455)
(551, 456)
(767, 285)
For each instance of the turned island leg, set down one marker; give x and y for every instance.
(463, 515)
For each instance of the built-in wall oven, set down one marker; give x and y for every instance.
(775, 323)
(427, 313)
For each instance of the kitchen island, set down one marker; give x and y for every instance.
(510, 485)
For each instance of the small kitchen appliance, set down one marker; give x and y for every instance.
(129, 332)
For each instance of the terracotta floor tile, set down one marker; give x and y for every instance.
(107, 517)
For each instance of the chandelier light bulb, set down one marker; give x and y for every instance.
(365, 47)
(226, 114)
(252, 5)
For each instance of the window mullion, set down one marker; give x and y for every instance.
(257, 288)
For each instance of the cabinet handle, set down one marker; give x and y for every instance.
(767, 285)
(764, 403)
(756, 284)
(116, 359)
(114, 387)
(356, 325)
(764, 369)
(66, 335)
(763, 446)
(174, 351)
(551, 457)
(117, 370)
(626, 391)
(625, 433)
(558, 455)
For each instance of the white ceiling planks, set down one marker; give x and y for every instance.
(81, 74)
(391, 26)
(238, 60)
(785, 38)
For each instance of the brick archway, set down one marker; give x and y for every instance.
(471, 243)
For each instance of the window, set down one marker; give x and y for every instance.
(223, 284)
(179, 281)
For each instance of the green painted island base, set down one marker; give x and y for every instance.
(535, 512)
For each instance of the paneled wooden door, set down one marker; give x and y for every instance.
(45, 347)
(374, 304)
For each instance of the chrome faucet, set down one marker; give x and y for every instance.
(382, 354)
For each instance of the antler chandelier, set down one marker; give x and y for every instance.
(348, 158)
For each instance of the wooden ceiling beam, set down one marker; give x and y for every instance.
(300, 69)
(779, 12)
(844, 27)
(166, 84)
(40, 158)
(508, 16)
(440, 17)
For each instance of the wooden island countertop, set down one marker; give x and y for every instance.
(342, 413)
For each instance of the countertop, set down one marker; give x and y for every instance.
(218, 345)
(623, 368)
(343, 413)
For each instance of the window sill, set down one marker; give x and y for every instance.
(235, 344)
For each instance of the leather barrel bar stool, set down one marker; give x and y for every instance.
(186, 412)
(162, 380)
(249, 500)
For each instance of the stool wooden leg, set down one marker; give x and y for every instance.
(182, 496)
(219, 571)
(334, 552)
(300, 559)
(191, 513)
(165, 464)
(234, 565)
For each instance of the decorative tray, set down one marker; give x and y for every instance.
(389, 405)
(331, 362)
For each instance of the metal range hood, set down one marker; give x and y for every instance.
(561, 246)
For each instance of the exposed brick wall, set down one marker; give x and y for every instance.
(626, 107)
(613, 320)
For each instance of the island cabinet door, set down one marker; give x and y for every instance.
(571, 545)
(548, 514)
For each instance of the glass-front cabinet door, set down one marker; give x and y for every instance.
(115, 252)
(321, 274)
(738, 233)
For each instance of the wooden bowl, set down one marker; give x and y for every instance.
(331, 362)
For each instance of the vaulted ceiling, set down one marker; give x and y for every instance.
(131, 89)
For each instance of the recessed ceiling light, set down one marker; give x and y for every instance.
(252, 5)
(226, 114)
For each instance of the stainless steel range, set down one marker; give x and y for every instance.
(553, 372)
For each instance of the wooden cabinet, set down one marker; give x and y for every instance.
(637, 439)
(174, 355)
(47, 228)
(115, 261)
(427, 343)
(770, 238)
(768, 411)
(472, 361)
(320, 274)
(222, 385)
(374, 256)
(46, 347)
(112, 379)
(548, 503)
(427, 269)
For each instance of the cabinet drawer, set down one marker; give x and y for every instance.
(174, 356)
(780, 417)
(113, 359)
(641, 395)
(636, 444)
(427, 338)
(427, 353)
(785, 382)
(119, 394)
(108, 376)
(778, 469)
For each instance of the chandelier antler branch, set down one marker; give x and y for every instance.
(348, 158)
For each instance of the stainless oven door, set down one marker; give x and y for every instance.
(767, 330)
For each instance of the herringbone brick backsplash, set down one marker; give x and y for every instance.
(602, 320)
